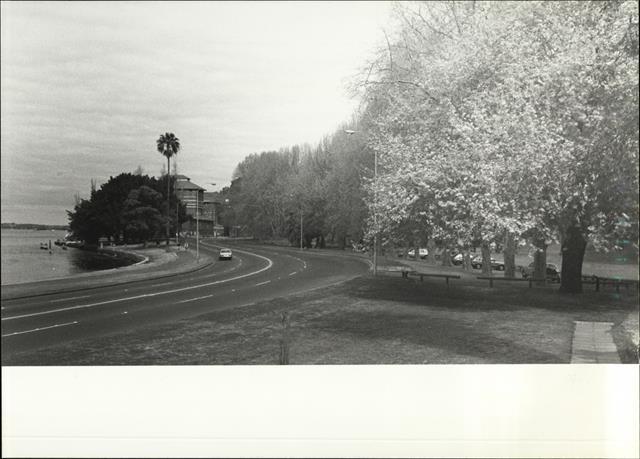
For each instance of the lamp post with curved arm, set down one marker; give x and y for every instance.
(375, 206)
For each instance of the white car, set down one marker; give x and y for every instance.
(423, 253)
(225, 254)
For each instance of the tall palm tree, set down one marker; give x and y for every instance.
(168, 145)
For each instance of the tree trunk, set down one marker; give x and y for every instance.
(574, 245)
(168, 192)
(540, 260)
(486, 259)
(431, 247)
(466, 260)
(446, 259)
(509, 255)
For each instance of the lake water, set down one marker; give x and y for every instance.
(24, 261)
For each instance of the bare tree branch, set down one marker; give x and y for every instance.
(389, 48)
(452, 8)
(411, 25)
(433, 28)
(410, 83)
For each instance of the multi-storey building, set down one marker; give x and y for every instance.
(205, 206)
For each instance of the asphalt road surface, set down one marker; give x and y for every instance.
(255, 273)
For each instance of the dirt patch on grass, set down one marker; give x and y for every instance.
(383, 320)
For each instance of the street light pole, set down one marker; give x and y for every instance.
(213, 216)
(197, 228)
(301, 232)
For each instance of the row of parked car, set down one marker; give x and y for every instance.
(552, 270)
(476, 262)
(457, 259)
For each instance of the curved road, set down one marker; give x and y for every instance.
(255, 273)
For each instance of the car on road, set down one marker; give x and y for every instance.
(457, 259)
(225, 254)
(552, 272)
(423, 253)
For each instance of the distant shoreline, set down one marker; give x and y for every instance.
(34, 226)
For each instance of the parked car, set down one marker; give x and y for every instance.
(497, 265)
(457, 259)
(552, 274)
(225, 254)
(423, 253)
(476, 262)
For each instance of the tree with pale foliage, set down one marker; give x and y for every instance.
(514, 118)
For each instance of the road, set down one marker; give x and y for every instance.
(255, 273)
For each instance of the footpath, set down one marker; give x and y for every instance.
(592, 343)
(157, 262)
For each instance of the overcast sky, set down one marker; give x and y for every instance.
(87, 88)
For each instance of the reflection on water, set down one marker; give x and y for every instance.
(24, 261)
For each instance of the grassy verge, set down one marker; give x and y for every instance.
(626, 337)
(384, 320)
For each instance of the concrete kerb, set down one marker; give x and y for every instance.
(109, 284)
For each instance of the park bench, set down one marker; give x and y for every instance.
(409, 272)
(531, 280)
(406, 272)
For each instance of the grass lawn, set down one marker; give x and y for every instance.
(383, 320)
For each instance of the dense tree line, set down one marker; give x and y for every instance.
(128, 208)
(317, 189)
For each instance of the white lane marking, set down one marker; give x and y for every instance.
(158, 285)
(263, 283)
(40, 329)
(149, 295)
(293, 273)
(304, 263)
(195, 299)
(69, 299)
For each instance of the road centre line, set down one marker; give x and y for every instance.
(148, 295)
(263, 283)
(196, 299)
(69, 299)
(304, 263)
(40, 329)
(293, 273)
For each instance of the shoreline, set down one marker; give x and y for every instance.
(161, 263)
(138, 259)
